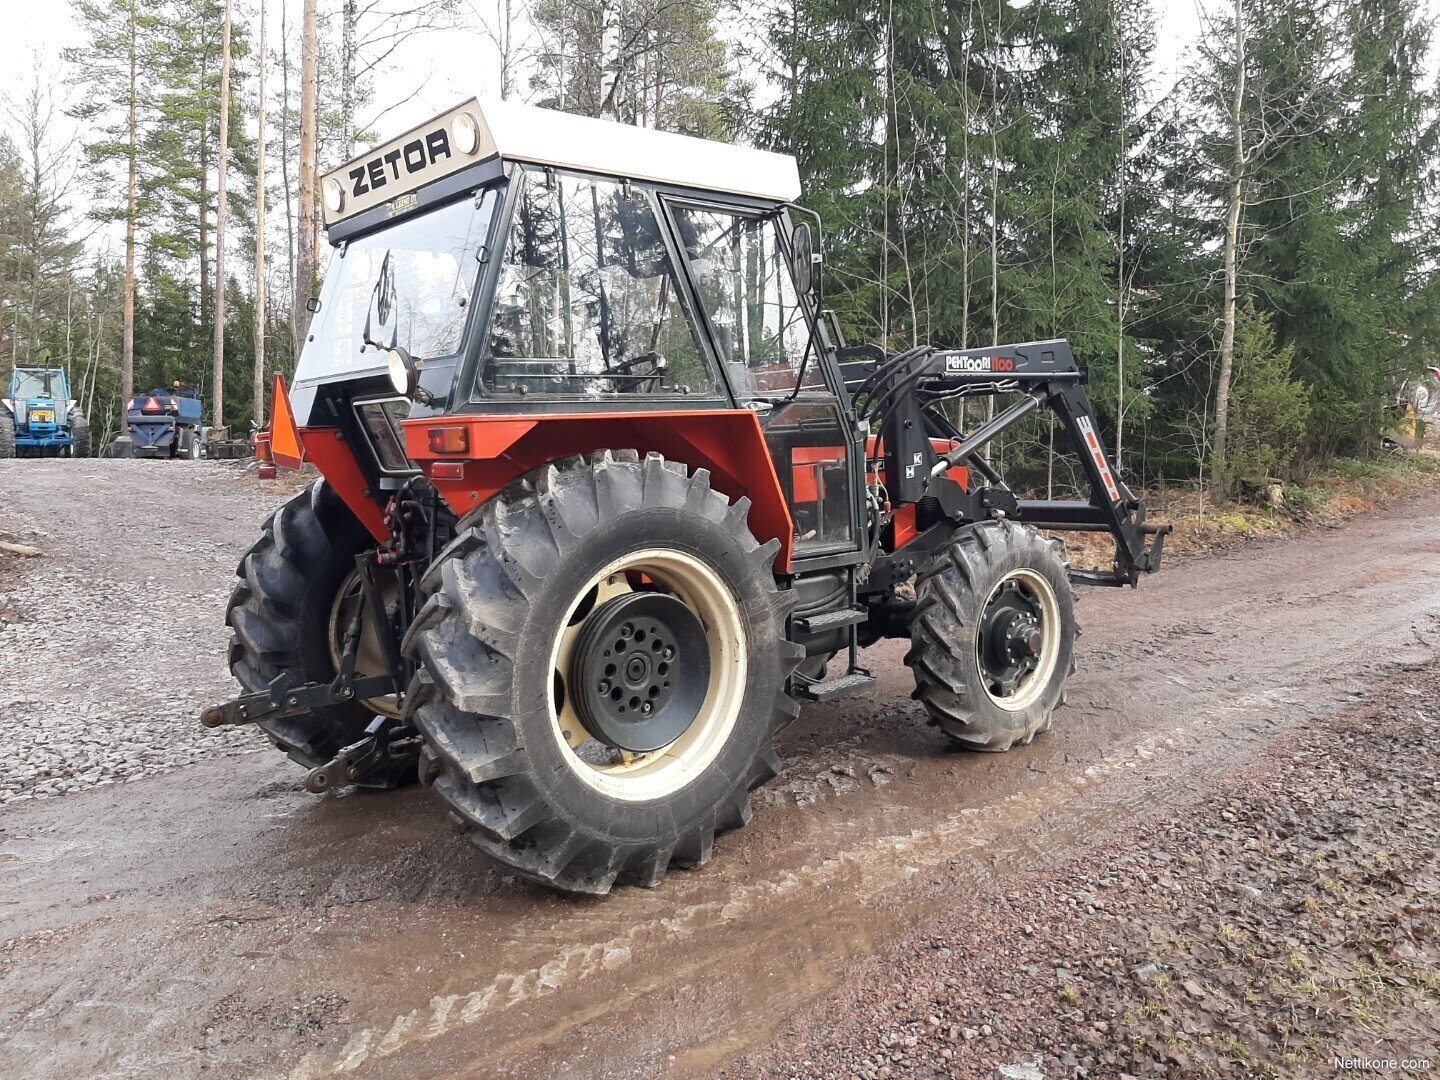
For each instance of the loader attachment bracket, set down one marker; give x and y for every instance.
(900, 395)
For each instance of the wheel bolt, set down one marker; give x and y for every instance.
(669, 654)
(645, 708)
(604, 688)
(627, 631)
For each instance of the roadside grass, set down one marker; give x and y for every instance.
(1347, 488)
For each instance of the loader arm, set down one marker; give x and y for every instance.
(898, 395)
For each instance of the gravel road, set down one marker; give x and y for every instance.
(896, 908)
(109, 644)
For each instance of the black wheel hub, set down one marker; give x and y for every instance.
(1010, 637)
(640, 671)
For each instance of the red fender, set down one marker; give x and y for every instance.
(727, 442)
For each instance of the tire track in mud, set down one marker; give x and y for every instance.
(867, 870)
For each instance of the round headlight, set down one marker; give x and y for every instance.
(466, 133)
(399, 371)
(334, 195)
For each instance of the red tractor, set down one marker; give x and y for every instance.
(605, 494)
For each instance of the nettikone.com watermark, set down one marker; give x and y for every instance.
(1381, 1064)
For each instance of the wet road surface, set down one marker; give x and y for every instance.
(217, 921)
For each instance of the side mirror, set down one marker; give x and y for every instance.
(802, 251)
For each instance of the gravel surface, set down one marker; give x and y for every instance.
(126, 605)
(1289, 918)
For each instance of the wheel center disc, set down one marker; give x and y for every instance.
(1011, 637)
(625, 678)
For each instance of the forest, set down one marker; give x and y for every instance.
(1241, 252)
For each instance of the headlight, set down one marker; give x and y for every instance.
(399, 371)
(334, 195)
(466, 133)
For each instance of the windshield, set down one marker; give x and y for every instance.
(432, 265)
(35, 384)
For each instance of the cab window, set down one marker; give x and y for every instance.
(587, 302)
(744, 280)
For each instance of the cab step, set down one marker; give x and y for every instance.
(842, 686)
(811, 625)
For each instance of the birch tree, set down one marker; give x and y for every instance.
(217, 386)
(258, 386)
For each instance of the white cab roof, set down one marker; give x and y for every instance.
(545, 137)
(524, 133)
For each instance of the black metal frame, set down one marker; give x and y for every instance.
(1042, 375)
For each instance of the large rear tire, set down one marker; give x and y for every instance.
(576, 562)
(80, 435)
(286, 614)
(993, 635)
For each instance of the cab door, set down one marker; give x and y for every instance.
(762, 331)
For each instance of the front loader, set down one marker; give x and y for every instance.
(606, 497)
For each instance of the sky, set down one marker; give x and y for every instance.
(433, 74)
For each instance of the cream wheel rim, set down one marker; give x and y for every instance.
(1020, 616)
(662, 772)
(369, 657)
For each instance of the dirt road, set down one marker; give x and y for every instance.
(212, 919)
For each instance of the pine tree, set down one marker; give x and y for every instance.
(113, 70)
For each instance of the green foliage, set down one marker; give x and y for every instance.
(657, 63)
(1268, 408)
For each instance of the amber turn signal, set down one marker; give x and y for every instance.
(449, 440)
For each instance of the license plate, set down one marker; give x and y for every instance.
(43, 416)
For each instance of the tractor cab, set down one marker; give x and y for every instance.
(507, 264)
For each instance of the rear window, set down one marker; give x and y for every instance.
(432, 262)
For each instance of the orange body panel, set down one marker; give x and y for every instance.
(728, 442)
(327, 449)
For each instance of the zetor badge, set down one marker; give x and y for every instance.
(430, 152)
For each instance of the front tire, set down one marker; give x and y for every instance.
(7, 433)
(285, 616)
(993, 635)
(574, 747)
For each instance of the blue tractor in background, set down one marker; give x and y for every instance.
(166, 423)
(40, 419)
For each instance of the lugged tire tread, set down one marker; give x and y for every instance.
(474, 614)
(943, 624)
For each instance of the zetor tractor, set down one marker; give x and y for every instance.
(39, 419)
(605, 495)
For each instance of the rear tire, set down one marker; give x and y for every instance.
(281, 615)
(517, 607)
(80, 435)
(993, 635)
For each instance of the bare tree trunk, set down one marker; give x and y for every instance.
(285, 157)
(507, 32)
(257, 410)
(218, 389)
(127, 351)
(1219, 472)
(349, 18)
(309, 95)
(1120, 250)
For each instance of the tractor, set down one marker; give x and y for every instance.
(40, 419)
(606, 496)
